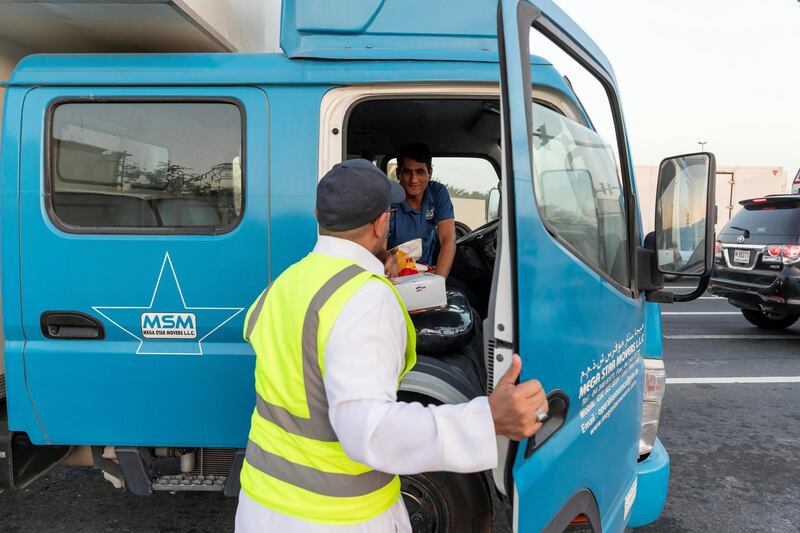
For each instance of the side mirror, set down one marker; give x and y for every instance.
(684, 229)
(493, 204)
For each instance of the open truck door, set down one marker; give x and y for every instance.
(565, 297)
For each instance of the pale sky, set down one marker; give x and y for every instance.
(722, 71)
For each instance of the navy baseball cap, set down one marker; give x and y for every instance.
(353, 194)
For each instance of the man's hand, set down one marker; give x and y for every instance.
(390, 266)
(514, 406)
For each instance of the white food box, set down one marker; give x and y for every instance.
(421, 291)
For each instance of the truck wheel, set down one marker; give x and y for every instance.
(769, 320)
(443, 502)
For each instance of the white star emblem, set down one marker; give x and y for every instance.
(168, 299)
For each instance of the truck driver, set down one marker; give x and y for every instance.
(426, 212)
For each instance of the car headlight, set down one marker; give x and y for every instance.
(655, 381)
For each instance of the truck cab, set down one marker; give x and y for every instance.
(147, 200)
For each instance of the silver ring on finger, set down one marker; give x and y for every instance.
(541, 416)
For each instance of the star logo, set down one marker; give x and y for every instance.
(167, 326)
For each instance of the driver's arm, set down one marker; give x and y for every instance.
(446, 229)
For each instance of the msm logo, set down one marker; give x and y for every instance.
(169, 325)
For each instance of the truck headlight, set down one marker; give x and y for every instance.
(655, 381)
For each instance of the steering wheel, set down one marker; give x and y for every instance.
(461, 229)
(479, 233)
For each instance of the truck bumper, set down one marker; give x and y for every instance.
(651, 492)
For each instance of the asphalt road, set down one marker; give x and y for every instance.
(734, 446)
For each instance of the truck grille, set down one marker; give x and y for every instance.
(213, 461)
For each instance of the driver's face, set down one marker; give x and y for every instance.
(413, 176)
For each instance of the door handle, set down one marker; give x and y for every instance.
(557, 407)
(66, 325)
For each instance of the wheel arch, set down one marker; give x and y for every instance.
(583, 503)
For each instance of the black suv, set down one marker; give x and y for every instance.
(757, 261)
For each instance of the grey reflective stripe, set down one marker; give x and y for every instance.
(312, 374)
(317, 426)
(251, 323)
(313, 480)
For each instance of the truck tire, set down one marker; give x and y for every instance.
(769, 320)
(444, 502)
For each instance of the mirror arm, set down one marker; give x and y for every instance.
(659, 297)
(701, 288)
(651, 281)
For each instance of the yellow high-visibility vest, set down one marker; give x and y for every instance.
(294, 463)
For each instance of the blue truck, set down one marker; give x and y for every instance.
(148, 199)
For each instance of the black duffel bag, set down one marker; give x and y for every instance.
(447, 329)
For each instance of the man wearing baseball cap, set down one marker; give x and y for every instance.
(333, 340)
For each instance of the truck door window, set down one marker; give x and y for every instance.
(579, 193)
(578, 185)
(141, 166)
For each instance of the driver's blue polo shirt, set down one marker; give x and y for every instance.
(408, 223)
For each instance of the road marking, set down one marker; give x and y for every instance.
(724, 381)
(717, 337)
(711, 298)
(701, 313)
